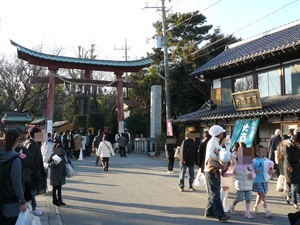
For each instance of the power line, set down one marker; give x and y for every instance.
(206, 46)
(271, 13)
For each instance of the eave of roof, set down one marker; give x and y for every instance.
(280, 44)
(38, 121)
(279, 105)
(53, 61)
(60, 123)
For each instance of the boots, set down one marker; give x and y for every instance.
(61, 201)
(54, 199)
(56, 202)
(224, 196)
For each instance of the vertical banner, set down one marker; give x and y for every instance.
(49, 126)
(169, 128)
(121, 127)
(244, 131)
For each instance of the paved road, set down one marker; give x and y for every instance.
(137, 190)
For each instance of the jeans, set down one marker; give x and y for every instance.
(182, 174)
(294, 191)
(97, 160)
(33, 202)
(214, 204)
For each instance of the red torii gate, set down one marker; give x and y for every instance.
(54, 63)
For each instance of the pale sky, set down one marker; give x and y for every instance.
(68, 24)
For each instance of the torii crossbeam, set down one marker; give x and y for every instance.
(54, 63)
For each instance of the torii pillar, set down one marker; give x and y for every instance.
(50, 101)
(120, 101)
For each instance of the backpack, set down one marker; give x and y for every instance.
(7, 193)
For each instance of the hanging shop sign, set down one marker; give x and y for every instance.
(246, 100)
(244, 131)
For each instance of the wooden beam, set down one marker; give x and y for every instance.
(45, 80)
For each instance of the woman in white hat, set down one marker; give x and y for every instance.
(214, 206)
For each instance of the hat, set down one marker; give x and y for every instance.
(215, 130)
(296, 137)
(277, 132)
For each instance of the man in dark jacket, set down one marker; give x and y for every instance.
(38, 176)
(26, 171)
(188, 158)
(122, 145)
(202, 150)
(89, 145)
(272, 147)
(95, 145)
(170, 151)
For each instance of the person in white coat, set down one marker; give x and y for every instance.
(47, 150)
(105, 150)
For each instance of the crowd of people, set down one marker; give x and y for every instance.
(282, 159)
(35, 167)
(41, 166)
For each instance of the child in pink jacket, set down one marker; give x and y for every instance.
(244, 176)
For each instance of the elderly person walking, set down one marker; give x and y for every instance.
(272, 147)
(214, 207)
(77, 144)
(105, 150)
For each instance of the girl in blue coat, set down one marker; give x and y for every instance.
(264, 170)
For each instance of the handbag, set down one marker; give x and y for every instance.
(69, 169)
(177, 153)
(199, 181)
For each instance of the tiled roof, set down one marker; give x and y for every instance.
(16, 117)
(109, 63)
(281, 39)
(279, 105)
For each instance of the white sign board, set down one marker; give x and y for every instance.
(49, 126)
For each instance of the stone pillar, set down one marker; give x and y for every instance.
(120, 101)
(155, 111)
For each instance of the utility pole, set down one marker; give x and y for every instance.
(167, 72)
(126, 49)
(166, 64)
(126, 57)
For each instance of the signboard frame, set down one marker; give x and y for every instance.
(246, 100)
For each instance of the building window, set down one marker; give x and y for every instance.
(243, 84)
(288, 80)
(269, 83)
(216, 83)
